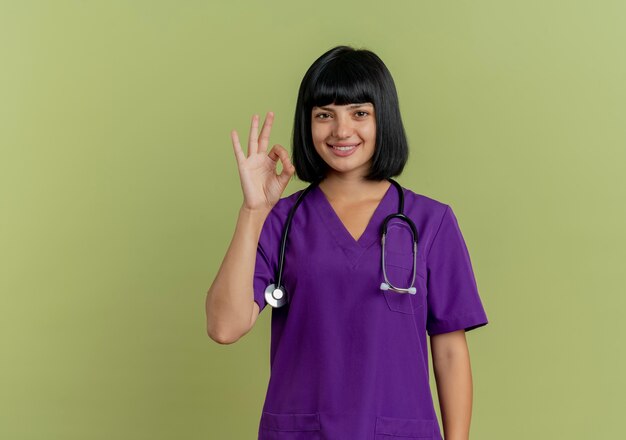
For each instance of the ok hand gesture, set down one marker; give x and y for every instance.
(261, 186)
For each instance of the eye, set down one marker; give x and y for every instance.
(361, 113)
(322, 116)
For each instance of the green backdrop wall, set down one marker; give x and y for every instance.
(119, 195)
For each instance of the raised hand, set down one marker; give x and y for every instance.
(261, 186)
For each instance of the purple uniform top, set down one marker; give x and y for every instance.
(348, 360)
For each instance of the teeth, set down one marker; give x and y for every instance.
(350, 147)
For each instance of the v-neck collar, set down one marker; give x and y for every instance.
(352, 248)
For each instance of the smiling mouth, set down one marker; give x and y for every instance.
(344, 148)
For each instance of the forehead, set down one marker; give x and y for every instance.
(346, 106)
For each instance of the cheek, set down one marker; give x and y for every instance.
(317, 139)
(369, 132)
(319, 136)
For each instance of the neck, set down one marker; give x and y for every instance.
(346, 189)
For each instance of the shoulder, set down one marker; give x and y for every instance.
(429, 214)
(275, 221)
(285, 203)
(280, 211)
(425, 205)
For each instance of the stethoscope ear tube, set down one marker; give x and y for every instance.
(400, 215)
(411, 290)
(387, 284)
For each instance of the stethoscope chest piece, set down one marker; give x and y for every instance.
(275, 297)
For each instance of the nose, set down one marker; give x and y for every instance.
(342, 128)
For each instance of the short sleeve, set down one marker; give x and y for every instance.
(265, 267)
(452, 298)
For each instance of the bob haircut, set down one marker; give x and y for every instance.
(344, 75)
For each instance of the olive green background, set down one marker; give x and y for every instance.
(119, 193)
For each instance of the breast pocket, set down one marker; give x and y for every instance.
(399, 268)
(388, 428)
(285, 426)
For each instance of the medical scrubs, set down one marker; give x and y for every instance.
(347, 359)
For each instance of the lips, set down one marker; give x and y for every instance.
(341, 152)
(343, 144)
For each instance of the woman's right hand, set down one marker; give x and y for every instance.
(261, 186)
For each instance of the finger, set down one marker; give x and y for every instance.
(239, 155)
(274, 153)
(265, 132)
(254, 135)
(288, 169)
(278, 152)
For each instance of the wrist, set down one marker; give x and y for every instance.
(254, 212)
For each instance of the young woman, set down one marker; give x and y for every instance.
(350, 314)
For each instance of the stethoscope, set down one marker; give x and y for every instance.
(277, 296)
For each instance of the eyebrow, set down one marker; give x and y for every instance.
(350, 106)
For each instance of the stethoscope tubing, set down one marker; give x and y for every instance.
(275, 294)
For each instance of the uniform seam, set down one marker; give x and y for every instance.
(466, 320)
(437, 233)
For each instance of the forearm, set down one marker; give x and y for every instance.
(454, 387)
(230, 297)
